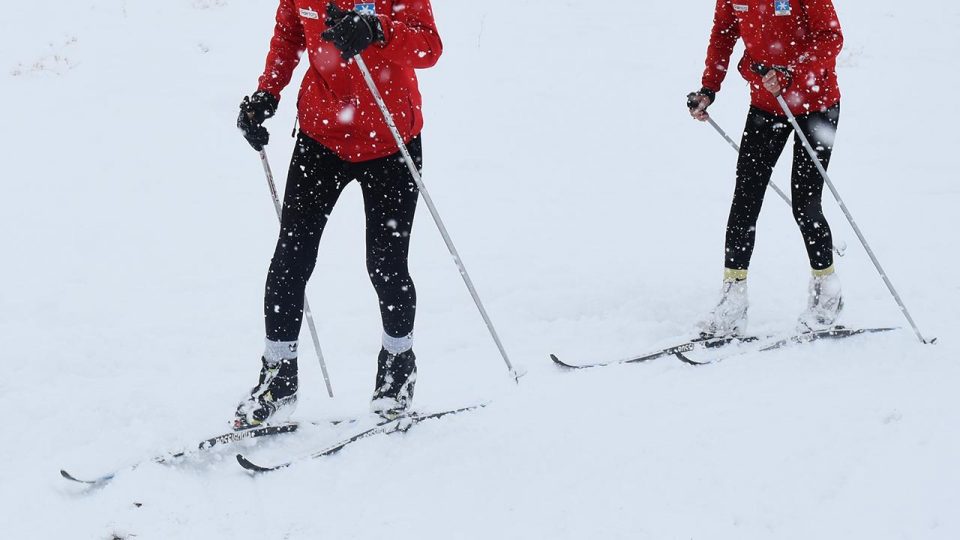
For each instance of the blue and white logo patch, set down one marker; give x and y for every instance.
(308, 13)
(782, 8)
(367, 8)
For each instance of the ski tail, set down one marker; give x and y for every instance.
(834, 333)
(95, 482)
(250, 466)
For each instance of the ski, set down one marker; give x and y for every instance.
(762, 343)
(385, 426)
(837, 332)
(205, 445)
(833, 334)
(678, 351)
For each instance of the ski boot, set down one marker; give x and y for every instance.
(396, 378)
(729, 318)
(824, 303)
(274, 398)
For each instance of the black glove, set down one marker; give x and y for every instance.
(698, 102)
(352, 32)
(253, 111)
(695, 99)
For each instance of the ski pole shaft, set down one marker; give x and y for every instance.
(736, 147)
(308, 313)
(433, 211)
(846, 212)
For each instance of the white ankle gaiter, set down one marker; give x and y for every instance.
(397, 345)
(275, 351)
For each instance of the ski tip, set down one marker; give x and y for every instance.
(561, 363)
(73, 478)
(251, 466)
(686, 360)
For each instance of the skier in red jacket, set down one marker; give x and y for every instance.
(343, 137)
(791, 50)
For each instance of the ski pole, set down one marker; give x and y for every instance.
(846, 212)
(736, 147)
(839, 250)
(433, 211)
(306, 304)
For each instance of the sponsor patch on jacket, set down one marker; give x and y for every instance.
(741, 7)
(365, 8)
(782, 8)
(308, 13)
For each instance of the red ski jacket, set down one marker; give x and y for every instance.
(335, 106)
(803, 35)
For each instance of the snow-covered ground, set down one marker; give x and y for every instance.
(136, 232)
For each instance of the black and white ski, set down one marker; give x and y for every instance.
(678, 351)
(205, 445)
(832, 334)
(837, 332)
(759, 344)
(387, 426)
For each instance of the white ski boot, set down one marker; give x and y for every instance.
(824, 303)
(729, 318)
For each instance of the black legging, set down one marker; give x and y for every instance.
(764, 138)
(316, 179)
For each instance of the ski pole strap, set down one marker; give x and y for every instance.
(763, 69)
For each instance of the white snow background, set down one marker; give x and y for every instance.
(589, 208)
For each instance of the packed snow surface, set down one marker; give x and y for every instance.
(589, 208)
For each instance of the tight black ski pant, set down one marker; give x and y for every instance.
(316, 179)
(764, 139)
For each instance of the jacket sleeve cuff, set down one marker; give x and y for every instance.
(275, 93)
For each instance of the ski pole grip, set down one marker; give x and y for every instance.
(763, 69)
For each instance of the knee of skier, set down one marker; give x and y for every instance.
(387, 270)
(807, 213)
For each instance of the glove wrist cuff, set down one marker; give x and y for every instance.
(262, 104)
(710, 94)
(376, 28)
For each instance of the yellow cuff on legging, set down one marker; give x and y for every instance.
(823, 273)
(732, 274)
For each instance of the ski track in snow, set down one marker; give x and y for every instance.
(589, 209)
